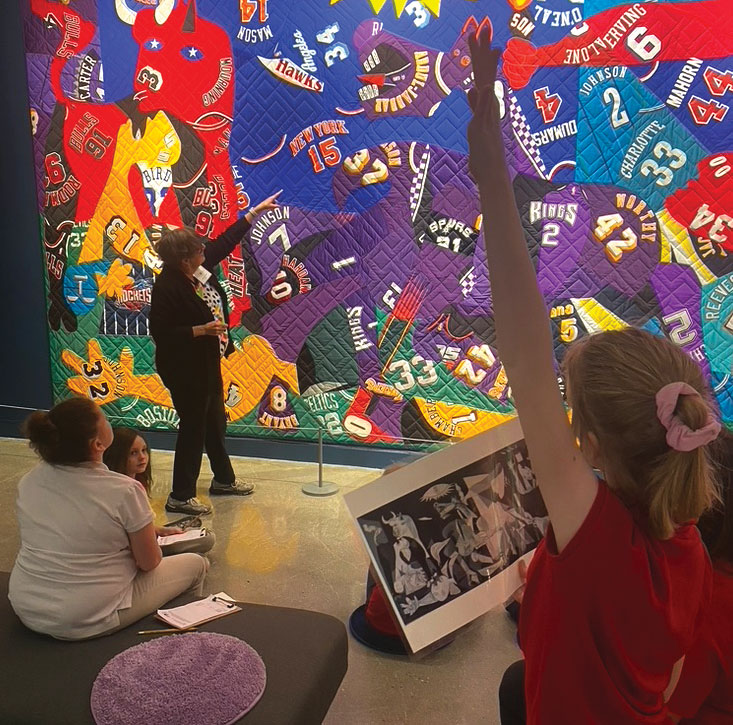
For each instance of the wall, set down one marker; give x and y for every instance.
(25, 381)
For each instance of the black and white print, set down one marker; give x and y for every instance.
(453, 534)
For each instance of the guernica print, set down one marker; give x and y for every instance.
(443, 533)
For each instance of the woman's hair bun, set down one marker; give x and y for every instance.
(40, 429)
(63, 434)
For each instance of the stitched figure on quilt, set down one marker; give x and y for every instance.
(128, 153)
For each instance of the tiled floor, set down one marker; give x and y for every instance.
(283, 547)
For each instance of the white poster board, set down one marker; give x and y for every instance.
(445, 533)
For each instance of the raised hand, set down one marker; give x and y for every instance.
(567, 483)
(486, 147)
(269, 203)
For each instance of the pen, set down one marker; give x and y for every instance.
(229, 602)
(166, 631)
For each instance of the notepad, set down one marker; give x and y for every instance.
(185, 536)
(195, 613)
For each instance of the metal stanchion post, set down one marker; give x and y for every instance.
(322, 488)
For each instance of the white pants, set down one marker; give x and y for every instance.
(177, 574)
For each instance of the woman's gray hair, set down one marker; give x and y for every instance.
(178, 244)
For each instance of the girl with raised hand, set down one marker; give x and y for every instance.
(616, 590)
(89, 562)
(129, 454)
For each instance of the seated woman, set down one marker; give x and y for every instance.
(129, 454)
(89, 562)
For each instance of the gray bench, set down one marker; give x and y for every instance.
(47, 682)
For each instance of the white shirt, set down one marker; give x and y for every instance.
(213, 300)
(75, 568)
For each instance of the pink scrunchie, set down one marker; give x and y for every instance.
(679, 436)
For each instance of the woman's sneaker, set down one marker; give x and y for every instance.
(191, 506)
(238, 488)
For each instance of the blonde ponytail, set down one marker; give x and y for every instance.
(614, 378)
(681, 487)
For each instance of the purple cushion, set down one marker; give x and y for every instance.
(196, 678)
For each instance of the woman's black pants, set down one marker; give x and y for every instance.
(202, 426)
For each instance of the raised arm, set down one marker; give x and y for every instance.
(221, 247)
(566, 481)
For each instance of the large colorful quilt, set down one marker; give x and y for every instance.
(362, 307)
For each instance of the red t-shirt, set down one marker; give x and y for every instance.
(603, 623)
(704, 693)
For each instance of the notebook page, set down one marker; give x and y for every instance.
(185, 536)
(189, 615)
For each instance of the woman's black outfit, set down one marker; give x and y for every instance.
(190, 366)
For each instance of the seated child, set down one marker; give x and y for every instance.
(129, 454)
(618, 588)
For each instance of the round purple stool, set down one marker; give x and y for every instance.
(196, 678)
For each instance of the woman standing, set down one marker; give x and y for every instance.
(189, 323)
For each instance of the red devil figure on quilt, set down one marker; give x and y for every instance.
(157, 157)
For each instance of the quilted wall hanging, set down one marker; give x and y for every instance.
(363, 306)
